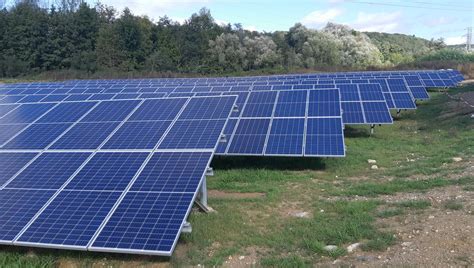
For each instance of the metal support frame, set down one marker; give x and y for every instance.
(201, 199)
(187, 228)
(372, 129)
(398, 112)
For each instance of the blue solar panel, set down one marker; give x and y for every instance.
(85, 136)
(349, 92)
(260, 104)
(228, 130)
(199, 134)
(352, 113)
(67, 112)
(26, 113)
(324, 137)
(403, 101)
(291, 104)
(54, 98)
(146, 222)
(204, 108)
(159, 109)
(37, 136)
(17, 208)
(71, 219)
(5, 109)
(371, 92)
(138, 135)
(376, 113)
(111, 111)
(172, 172)
(286, 137)
(10, 131)
(419, 93)
(11, 163)
(78, 97)
(49, 171)
(31, 99)
(249, 137)
(108, 172)
(324, 103)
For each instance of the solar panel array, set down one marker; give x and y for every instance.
(115, 165)
(116, 176)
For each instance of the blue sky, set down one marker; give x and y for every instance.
(424, 18)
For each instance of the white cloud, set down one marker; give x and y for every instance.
(319, 18)
(432, 22)
(251, 28)
(377, 22)
(455, 40)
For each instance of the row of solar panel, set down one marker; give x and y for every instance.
(87, 125)
(410, 81)
(427, 75)
(56, 130)
(119, 200)
(396, 93)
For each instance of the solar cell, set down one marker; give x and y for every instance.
(26, 113)
(172, 172)
(249, 137)
(324, 137)
(11, 163)
(145, 223)
(67, 112)
(85, 135)
(37, 136)
(17, 208)
(291, 104)
(200, 134)
(49, 171)
(108, 171)
(159, 109)
(286, 137)
(111, 111)
(70, 220)
(138, 135)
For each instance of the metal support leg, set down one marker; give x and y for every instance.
(201, 199)
(398, 112)
(372, 129)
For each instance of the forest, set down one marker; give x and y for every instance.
(72, 35)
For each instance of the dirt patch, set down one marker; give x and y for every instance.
(293, 210)
(248, 259)
(434, 237)
(229, 195)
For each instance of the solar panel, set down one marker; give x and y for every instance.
(73, 198)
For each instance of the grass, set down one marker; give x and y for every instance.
(414, 204)
(387, 213)
(413, 155)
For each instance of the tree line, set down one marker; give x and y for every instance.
(73, 35)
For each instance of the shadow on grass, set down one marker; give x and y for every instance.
(271, 163)
(352, 132)
(56, 255)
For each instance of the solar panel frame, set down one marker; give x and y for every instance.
(18, 241)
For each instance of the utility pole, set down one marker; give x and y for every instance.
(469, 39)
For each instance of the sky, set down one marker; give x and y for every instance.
(423, 18)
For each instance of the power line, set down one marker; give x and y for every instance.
(468, 39)
(438, 4)
(409, 6)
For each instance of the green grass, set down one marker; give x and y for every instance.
(430, 136)
(414, 204)
(387, 213)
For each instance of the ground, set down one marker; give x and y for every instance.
(415, 209)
